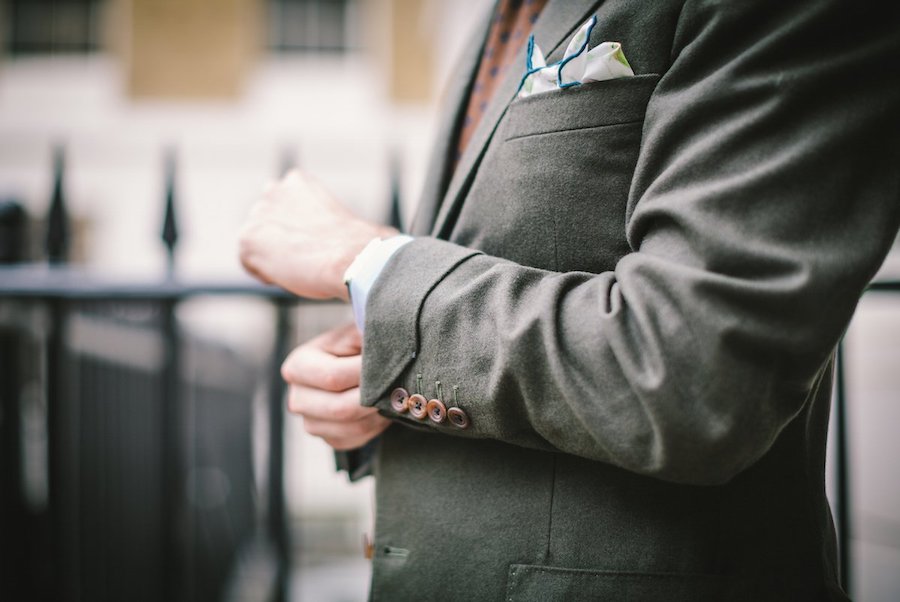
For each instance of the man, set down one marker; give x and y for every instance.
(629, 293)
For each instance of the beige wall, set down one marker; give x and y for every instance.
(399, 36)
(189, 49)
(411, 52)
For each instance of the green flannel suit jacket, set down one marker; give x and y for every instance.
(637, 286)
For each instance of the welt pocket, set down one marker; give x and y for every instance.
(534, 582)
(594, 104)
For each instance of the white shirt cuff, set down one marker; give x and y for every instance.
(365, 269)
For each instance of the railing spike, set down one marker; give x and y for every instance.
(170, 225)
(57, 242)
(395, 218)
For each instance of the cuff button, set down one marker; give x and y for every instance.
(400, 400)
(418, 406)
(437, 411)
(458, 418)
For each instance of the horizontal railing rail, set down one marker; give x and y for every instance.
(884, 286)
(41, 281)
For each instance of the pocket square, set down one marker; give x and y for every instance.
(578, 65)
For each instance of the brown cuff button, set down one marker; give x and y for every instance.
(400, 400)
(458, 418)
(437, 411)
(418, 406)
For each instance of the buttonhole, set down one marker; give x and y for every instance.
(396, 552)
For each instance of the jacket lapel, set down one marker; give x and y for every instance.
(558, 20)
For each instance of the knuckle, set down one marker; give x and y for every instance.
(288, 372)
(248, 246)
(293, 402)
(293, 366)
(245, 244)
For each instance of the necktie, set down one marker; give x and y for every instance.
(510, 27)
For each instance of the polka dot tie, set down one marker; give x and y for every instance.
(510, 28)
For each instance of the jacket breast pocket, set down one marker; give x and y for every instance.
(563, 170)
(557, 177)
(591, 105)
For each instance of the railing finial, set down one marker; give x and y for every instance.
(57, 241)
(395, 217)
(170, 225)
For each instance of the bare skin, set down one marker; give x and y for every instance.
(324, 379)
(299, 237)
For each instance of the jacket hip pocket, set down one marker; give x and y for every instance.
(528, 583)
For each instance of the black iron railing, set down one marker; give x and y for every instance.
(73, 307)
(132, 476)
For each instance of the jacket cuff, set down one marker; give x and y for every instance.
(365, 269)
(391, 337)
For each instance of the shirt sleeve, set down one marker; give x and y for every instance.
(365, 269)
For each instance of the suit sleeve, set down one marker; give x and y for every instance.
(764, 199)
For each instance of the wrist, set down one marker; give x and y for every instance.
(352, 247)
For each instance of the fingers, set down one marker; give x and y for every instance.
(325, 405)
(313, 367)
(342, 436)
(338, 418)
(324, 375)
(331, 361)
(354, 442)
(344, 340)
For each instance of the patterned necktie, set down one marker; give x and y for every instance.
(510, 28)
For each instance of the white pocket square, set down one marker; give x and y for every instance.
(578, 65)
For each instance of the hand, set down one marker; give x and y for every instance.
(301, 238)
(323, 375)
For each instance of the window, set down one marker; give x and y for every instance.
(312, 25)
(51, 26)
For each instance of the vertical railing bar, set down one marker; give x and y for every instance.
(63, 457)
(277, 522)
(395, 213)
(171, 460)
(177, 561)
(842, 485)
(63, 408)
(57, 235)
